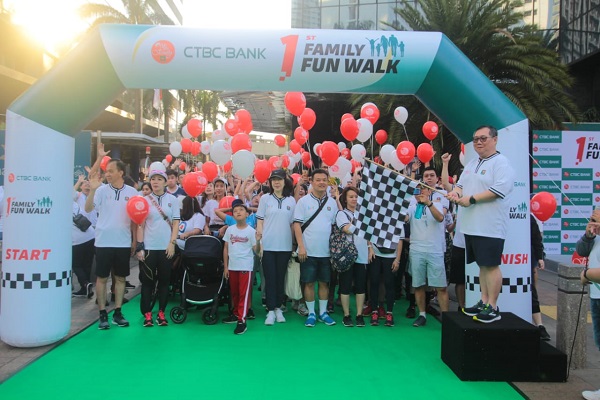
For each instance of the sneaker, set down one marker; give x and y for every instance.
(421, 321)
(88, 289)
(80, 293)
(103, 322)
(473, 311)
(326, 319)
(374, 318)
(347, 321)
(295, 305)
(381, 312)
(544, 333)
(591, 395)
(119, 319)
(232, 319)
(160, 319)
(432, 311)
(488, 314)
(389, 319)
(128, 285)
(411, 312)
(330, 308)
(302, 310)
(279, 315)
(250, 314)
(148, 320)
(360, 321)
(367, 310)
(310, 321)
(240, 328)
(270, 320)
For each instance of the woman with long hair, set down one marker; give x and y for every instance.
(192, 220)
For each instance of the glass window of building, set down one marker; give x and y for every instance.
(330, 18)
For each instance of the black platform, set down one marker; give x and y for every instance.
(507, 350)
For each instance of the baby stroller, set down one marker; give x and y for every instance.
(203, 282)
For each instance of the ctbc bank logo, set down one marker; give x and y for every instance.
(163, 51)
(11, 177)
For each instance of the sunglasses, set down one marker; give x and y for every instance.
(481, 139)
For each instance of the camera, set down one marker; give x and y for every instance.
(417, 191)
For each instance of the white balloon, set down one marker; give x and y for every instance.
(220, 152)
(401, 114)
(365, 130)
(199, 165)
(346, 180)
(185, 133)
(396, 163)
(165, 163)
(158, 166)
(293, 162)
(175, 148)
(341, 146)
(386, 153)
(218, 135)
(243, 163)
(341, 167)
(315, 147)
(205, 147)
(297, 157)
(358, 152)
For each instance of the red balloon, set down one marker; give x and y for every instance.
(194, 127)
(370, 112)
(301, 135)
(424, 152)
(241, 141)
(295, 147)
(194, 183)
(169, 158)
(285, 161)
(280, 140)
(430, 130)
(349, 129)
(405, 151)
(346, 116)
(231, 127)
(137, 209)
(543, 206)
(329, 153)
(307, 119)
(211, 170)
(295, 102)
(296, 178)
(226, 201)
(308, 164)
(381, 137)
(306, 157)
(244, 120)
(378, 160)
(262, 170)
(346, 153)
(227, 166)
(355, 164)
(182, 166)
(195, 148)
(186, 145)
(104, 162)
(274, 162)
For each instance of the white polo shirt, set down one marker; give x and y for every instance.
(197, 221)
(157, 230)
(316, 236)
(113, 228)
(489, 218)
(240, 244)
(427, 235)
(277, 214)
(343, 218)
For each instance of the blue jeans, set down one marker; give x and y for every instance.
(595, 309)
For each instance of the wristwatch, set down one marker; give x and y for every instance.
(472, 200)
(430, 204)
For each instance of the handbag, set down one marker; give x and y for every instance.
(343, 252)
(292, 280)
(81, 221)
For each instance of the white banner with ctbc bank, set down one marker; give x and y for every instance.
(567, 164)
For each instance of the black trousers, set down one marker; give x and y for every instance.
(83, 258)
(156, 267)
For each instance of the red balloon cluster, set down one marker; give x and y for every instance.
(295, 102)
(137, 209)
(543, 205)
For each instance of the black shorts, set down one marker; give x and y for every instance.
(112, 258)
(457, 265)
(485, 251)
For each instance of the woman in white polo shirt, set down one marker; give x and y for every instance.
(274, 220)
(156, 247)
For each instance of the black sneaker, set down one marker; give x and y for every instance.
(232, 319)
(240, 328)
(250, 314)
(80, 293)
(360, 321)
(119, 319)
(488, 314)
(88, 289)
(411, 312)
(421, 321)
(347, 321)
(128, 285)
(473, 311)
(160, 319)
(544, 333)
(103, 322)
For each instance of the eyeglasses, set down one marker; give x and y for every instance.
(481, 139)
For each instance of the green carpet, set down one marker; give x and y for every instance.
(285, 361)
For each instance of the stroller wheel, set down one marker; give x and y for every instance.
(178, 315)
(208, 318)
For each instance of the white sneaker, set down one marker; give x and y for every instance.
(270, 320)
(589, 395)
(279, 315)
(302, 310)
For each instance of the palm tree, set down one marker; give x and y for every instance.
(136, 12)
(204, 104)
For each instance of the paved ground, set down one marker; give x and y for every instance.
(84, 313)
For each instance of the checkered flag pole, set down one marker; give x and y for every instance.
(383, 201)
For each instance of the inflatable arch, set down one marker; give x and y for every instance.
(41, 125)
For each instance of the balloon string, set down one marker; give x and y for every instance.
(405, 133)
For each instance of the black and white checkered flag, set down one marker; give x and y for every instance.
(383, 201)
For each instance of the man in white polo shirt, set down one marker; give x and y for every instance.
(481, 191)
(115, 234)
(313, 243)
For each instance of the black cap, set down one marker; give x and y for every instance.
(238, 203)
(278, 173)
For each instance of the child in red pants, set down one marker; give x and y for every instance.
(238, 255)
